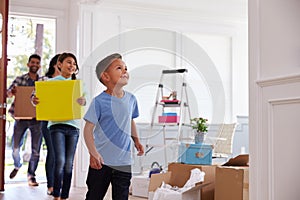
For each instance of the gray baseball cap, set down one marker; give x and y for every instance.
(105, 62)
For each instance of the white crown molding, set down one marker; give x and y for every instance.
(181, 21)
(279, 80)
(207, 12)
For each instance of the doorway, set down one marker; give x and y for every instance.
(26, 35)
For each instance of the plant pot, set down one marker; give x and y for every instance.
(199, 137)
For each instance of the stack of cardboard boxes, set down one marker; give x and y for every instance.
(227, 182)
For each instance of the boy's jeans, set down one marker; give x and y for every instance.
(98, 182)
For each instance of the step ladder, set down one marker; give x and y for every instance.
(181, 105)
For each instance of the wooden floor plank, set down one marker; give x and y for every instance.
(21, 191)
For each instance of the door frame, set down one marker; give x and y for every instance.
(3, 68)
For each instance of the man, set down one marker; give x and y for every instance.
(21, 125)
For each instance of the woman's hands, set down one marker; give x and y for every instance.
(35, 100)
(81, 101)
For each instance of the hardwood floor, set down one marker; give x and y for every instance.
(18, 189)
(21, 191)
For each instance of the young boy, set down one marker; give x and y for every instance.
(108, 131)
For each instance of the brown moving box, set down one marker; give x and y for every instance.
(232, 182)
(177, 177)
(23, 107)
(181, 173)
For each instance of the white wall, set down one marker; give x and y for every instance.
(222, 42)
(221, 45)
(274, 99)
(279, 39)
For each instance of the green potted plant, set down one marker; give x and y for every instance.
(200, 126)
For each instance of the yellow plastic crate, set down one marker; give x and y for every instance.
(58, 100)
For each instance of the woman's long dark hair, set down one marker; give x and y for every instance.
(51, 69)
(65, 55)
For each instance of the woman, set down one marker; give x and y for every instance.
(52, 72)
(64, 134)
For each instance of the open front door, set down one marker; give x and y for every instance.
(3, 64)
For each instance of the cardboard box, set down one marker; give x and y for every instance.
(232, 182)
(23, 107)
(178, 174)
(157, 179)
(199, 154)
(181, 173)
(240, 160)
(58, 100)
(140, 186)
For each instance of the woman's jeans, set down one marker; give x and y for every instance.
(20, 128)
(64, 139)
(49, 166)
(98, 181)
